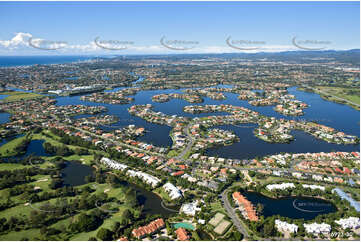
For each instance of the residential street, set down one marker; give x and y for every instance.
(231, 213)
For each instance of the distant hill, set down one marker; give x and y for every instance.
(302, 56)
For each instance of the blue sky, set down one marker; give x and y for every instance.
(266, 26)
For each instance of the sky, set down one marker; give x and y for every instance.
(176, 27)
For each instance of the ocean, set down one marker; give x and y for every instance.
(7, 61)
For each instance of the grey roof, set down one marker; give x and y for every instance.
(343, 195)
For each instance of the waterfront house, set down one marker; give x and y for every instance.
(182, 234)
(148, 229)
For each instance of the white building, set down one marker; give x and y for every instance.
(317, 177)
(285, 227)
(281, 186)
(149, 179)
(113, 164)
(174, 192)
(297, 174)
(351, 222)
(188, 177)
(316, 228)
(190, 208)
(313, 187)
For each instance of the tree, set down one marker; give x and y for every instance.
(56, 183)
(104, 234)
(85, 223)
(259, 208)
(269, 229)
(115, 227)
(127, 215)
(237, 236)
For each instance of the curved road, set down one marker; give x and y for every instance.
(232, 214)
(189, 146)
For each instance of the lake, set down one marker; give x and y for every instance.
(339, 116)
(152, 203)
(74, 173)
(4, 117)
(250, 146)
(36, 148)
(291, 207)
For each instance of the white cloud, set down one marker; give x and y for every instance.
(19, 44)
(19, 40)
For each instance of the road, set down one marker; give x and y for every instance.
(291, 169)
(232, 214)
(287, 170)
(118, 143)
(189, 145)
(335, 97)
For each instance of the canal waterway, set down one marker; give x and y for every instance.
(338, 116)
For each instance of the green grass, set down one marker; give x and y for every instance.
(342, 93)
(16, 96)
(85, 159)
(55, 141)
(8, 149)
(164, 195)
(19, 235)
(106, 224)
(172, 153)
(217, 207)
(11, 166)
(44, 185)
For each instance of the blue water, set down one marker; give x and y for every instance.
(250, 146)
(4, 117)
(36, 148)
(3, 96)
(7, 61)
(74, 173)
(335, 115)
(6, 140)
(291, 207)
(338, 116)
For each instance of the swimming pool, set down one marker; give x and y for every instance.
(184, 225)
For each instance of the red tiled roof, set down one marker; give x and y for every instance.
(148, 229)
(182, 234)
